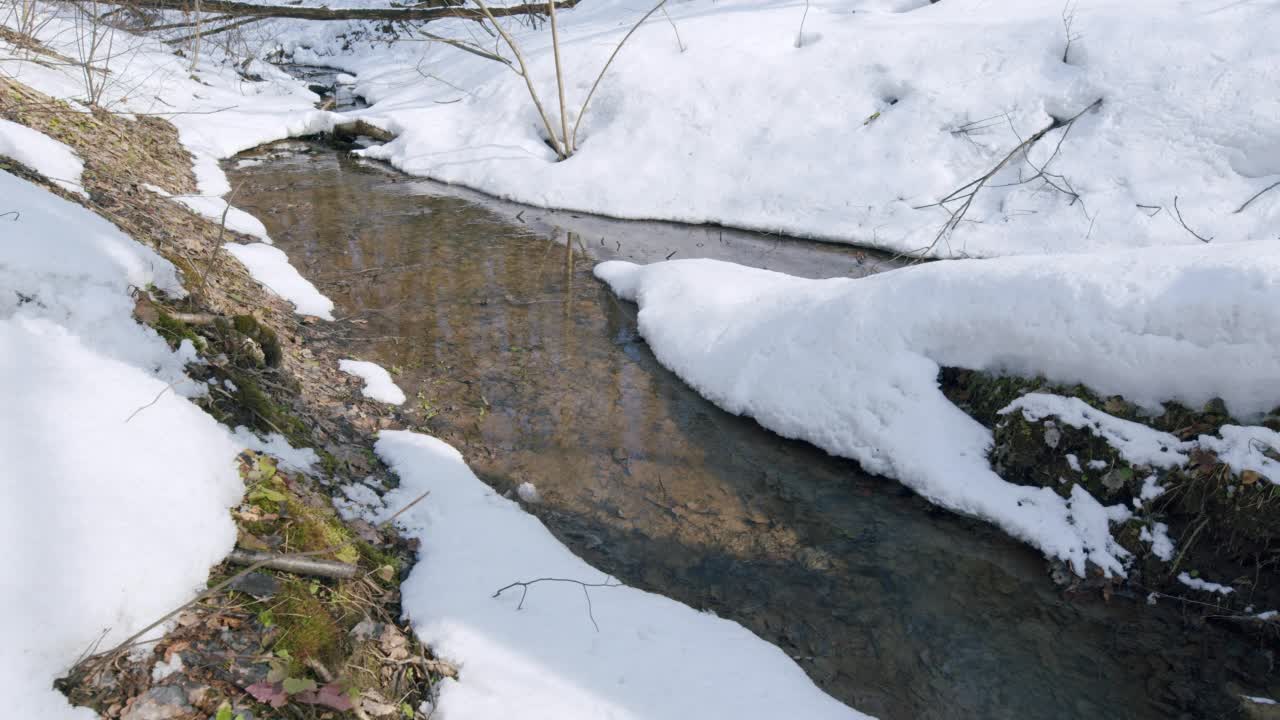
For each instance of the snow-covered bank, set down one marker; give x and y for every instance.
(114, 506)
(877, 113)
(564, 651)
(270, 266)
(217, 111)
(852, 365)
(41, 153)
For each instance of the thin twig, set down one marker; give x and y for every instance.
(800, 33)
(1256, 196)
(1183, 223)
(525, 584)
(155, 400)
(966, 193)
(675, 30)
(603, 70)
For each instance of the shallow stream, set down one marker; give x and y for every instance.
(510, 350)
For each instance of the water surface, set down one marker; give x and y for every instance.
(511, 351)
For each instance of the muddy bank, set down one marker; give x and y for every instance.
(509, 350)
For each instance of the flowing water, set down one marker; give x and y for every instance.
(510, 350)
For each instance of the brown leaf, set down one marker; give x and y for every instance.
(1250, 477)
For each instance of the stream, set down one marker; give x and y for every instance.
(511, 351)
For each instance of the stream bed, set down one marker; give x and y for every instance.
(511, 351)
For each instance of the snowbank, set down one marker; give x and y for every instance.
(852, 365)
(378, 384)
(115, 513)
(650, 657)
(270, 267)
(877, 113)
(216, 110)
(41, 153)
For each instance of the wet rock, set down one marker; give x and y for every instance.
(813, 559)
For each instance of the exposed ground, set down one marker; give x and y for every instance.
(272, 644)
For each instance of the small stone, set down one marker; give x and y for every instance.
(365, 629)
(168, 702)
(259, 585)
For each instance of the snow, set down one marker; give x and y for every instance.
(651, 657)
(43, 154)
(1073, 462)
(359, 498)
(1198, 584)
(1247, 448)
(852, 365)
(1158, 536)
(219, 211)
(378, 384)
(270, 267)
(162, 669)
(528, 492)
(217, 112)
(91, 484)
(1259, 700)
(301, 460)
(1136, 443)
(713, 127)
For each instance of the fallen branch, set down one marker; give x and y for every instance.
(966, 193)
(214, 31)
(129, 641)
(429, 10)
(293, 564)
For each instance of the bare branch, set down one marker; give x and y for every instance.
(603, 70)
(424, 11)
(965, 194)
(555, 52)
(291, 564)
(524, 72)
(524, 591)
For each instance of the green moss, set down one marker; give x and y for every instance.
(307, 630)
(314, 528)
(329, 463)
(264, 414)
(174, 331)
(265, 337)
(373, 558)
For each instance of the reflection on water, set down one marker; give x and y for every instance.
(512, 352)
